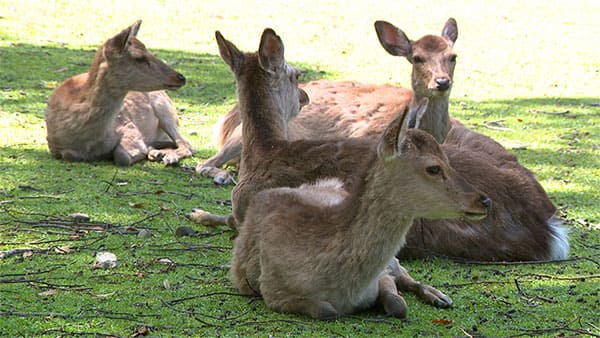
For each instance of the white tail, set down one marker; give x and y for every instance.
(116, 110)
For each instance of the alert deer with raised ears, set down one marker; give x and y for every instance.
(333, 172)
(118, 110)
(521, 224)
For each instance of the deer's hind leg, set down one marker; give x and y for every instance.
(167, 122)
(315, 308)
(131, 147)
(393, 304)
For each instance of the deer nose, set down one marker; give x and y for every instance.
(442, 83)
(486, 201)
(181, 78)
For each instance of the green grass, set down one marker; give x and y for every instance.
(519, 62)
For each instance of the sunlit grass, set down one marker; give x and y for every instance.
(528, 76)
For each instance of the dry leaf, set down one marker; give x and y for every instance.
(442, 321)
(62, 250)
(27, 254)
(167, 284)
(136, 205)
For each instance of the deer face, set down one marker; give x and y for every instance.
(438, 190)
(416, 163)
(432, 56)
(135, 67)
(433, 63)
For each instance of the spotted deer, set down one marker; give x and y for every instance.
(118, 110)
(521, 224)
(330, 171)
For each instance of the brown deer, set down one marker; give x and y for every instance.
(521, 224)
(268, 97)
(117, 110)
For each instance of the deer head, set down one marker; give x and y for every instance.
(132, 67)
(414, 157)
(432, 56)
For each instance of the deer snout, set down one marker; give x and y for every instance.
(443, 83)
(181, 78)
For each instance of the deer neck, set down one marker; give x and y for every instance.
(263, 122)
(102, 94)
(436, 120)
(378, 229)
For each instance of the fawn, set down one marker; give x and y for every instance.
(118, 109)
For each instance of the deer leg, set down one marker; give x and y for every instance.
(206, 218)
(314, 308)
(393, 304)
(211, 168)
(167, 121)
(427, 293)
(131, 147)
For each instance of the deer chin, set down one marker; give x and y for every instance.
(474, 216)
(174, 86)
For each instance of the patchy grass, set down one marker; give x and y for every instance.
(528, 81)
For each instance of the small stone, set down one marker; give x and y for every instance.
(106, 260)
(184, 231)
(79, 217)
(144, 233)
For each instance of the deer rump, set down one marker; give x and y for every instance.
(521, 225)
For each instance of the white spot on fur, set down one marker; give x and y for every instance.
(559, 245)
(325, 192)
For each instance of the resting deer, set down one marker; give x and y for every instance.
(117, 110)
(521, 224)
(268, 97)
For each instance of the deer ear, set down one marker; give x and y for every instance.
(304, 98)
(270, 51)
(393, 137)
(229, 53)
(415, 114)
(450, 30)
(118, 43)
(393, 40)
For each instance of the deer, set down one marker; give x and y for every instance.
(268, 96)
(118, 110)
(522, 224)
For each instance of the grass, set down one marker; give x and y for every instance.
(528, 68)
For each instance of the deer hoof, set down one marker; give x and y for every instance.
(443, 302)
(395, 306)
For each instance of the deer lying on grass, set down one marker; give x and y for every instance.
(268, 97)
(117, 110)
(521, 224)
(322, 250)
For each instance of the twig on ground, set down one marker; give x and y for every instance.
(539, 111)
(496, 125)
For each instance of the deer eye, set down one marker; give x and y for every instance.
(418, 59)
(433, 170)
